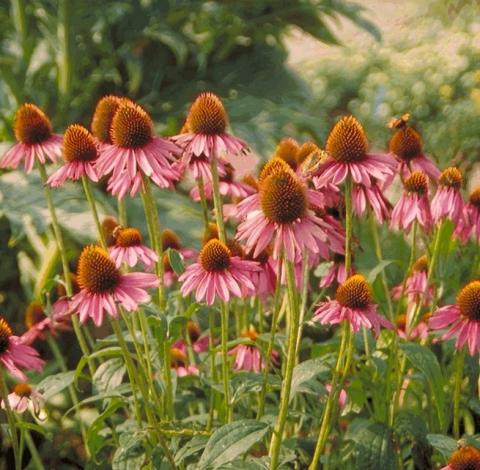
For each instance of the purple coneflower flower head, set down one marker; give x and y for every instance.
(14, 354)
(285, 219)
(470, 223)
(103, 286)
(79, 152)
(205, 131)
(135, 151)
(336, 273)
(406, 145)
(353, 303)
(129, 248)
(448, 202)
(35, 140)
(464, 318)
(464, 458)
(413, 204)
(218, 274)
(347, 147)
(370, 196)
(178, 359)
(23, 396)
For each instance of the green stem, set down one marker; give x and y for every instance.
(383, 276)
(225, 364)
(213, 370)
(348, 225)
(20, 22)
(11, 419)
(36, 459)
(93, 206)
(65, 41)
(153, 223)
(66, 269)
(304, 298)
(217, 201)
(459, 363)
(203, 202)
(122, 212)
(277, 435)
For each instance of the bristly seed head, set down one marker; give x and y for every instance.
(97, 272)
(421, 264)
(468, 301)
(347, 141)
(287, 150)
(103, 116)
(215, 256)
(127, 236)
(417, 183)
(306, 149)
(283, 197)
(34, 314)
(131, 127)
(251, 181)
(273, 165)
(193, 330)
(22, 390)
(354, 293)
(251, 333)
(474, 198)
(210, 233)
(78, 145)
(465, 458)
(406, 143)
(5, 333)
(401, 322)
(177, 357)
(32, 125)
(451, 177)
(207, 115)
(170, 240)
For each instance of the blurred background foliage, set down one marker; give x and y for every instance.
(283, 68)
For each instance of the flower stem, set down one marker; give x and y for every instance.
(203, 201)
(213, 370)
(65, 56)
(217, 201)
(122, 212)
(153, 222)
(379, 254)
(459, 363)
(348, 225)
(66, 270)
(277, 435)
(225, 365)
(11, 419)
(36, 459)
(93, 206)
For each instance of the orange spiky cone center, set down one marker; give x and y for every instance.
(78, 145)
(97, 272)
(5, 333)
(109, 224)
(215, 256)
(170, 240)
(354, 293)
(421, 264)
(287, 150)
(347, 141)
(103, 116)
(451, 178)
(128, 236)
(22, 390)
(207, 115)
(272, 166)
(417, 183)
(31, 125)
(465, 458)
(474, 198)
(406, 143)
(131, 127)
(468, 301)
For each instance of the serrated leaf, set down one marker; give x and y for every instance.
(176, 261)
(423, 359)
(444, 444)
(306, 371)
(54, 384)
(176, 325)
(230, 441)
(372, 275)
(109, 375)
(130, 455)
(196, 444)
(374, 448)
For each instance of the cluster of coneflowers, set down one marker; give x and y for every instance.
(271, 228)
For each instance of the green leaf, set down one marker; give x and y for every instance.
(176, 261)
(33, 427)
(109, 375)
(130, 455)
(230, 441)
(54, 384)
(196, 444)
(374, 448)
(176, 325)
(444, 444)
(372, 275)
(423, 359)
(306, 371)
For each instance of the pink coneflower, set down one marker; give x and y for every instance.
(103, 285)
(228, 187)
(199, 167)
(79, 153)
(448, 202)
(14, 354)
(406, 145)
(171, 241)
(420, 330)
(413, 204)
(464, 458)
(416, 285)
(347, 147)
(129, 248)
(205, 133)
(21, 397)
(179, 363)
(470, 223)
(285, 219)
(102, 119)
(218, 274)
(372, 196)
(336, 273)
(39, 324)
(353, 303)
(248, 356)
(266, 279)
(33, 132)
(199, 343)
(134, 152)
(300, 158)
(464, 317)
